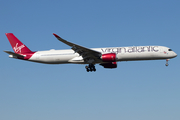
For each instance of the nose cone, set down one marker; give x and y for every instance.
(175, 55)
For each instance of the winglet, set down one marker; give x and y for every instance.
(56, 35)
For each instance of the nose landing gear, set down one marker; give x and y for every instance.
(90, 68)
(167, 62)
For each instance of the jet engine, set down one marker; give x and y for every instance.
(109, 57)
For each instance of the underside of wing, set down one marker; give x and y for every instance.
(89, 55)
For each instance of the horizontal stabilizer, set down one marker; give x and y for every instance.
(14, 54)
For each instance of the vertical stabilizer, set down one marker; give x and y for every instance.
(17, 45)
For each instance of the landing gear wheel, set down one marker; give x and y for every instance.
(167, 62)
(87, 68)
(91, 68)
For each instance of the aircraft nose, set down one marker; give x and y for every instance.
(175, 55)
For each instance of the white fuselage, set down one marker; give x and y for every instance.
(106, 57)
(122, 54)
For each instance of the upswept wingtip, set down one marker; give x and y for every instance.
(56, 35)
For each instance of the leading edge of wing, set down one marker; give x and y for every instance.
(77, 48)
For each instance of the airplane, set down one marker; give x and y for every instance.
(106, 57)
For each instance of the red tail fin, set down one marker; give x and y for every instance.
(17, 45)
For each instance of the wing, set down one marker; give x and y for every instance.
(88, 55)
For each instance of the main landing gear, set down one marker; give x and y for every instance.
(167, 62)
(90, 67)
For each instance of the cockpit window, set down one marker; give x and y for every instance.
(169, 49)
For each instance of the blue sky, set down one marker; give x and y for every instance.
(143, 90)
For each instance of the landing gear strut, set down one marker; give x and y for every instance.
(167, 62)
(90, 67)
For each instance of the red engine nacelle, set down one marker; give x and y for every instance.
(109, 57)
(109, 65)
